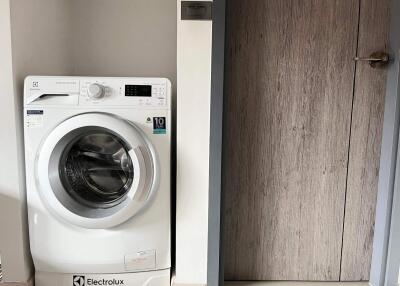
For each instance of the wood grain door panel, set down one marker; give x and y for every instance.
(365, 144)
(288, 101)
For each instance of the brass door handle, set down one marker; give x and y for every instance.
(376, 60)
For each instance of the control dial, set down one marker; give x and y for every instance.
(95, 91)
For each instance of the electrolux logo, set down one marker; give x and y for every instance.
(79, 280)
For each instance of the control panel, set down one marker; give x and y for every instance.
(152, 92)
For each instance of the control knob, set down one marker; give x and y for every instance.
(95, 91)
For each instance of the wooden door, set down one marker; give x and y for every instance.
(302, 133)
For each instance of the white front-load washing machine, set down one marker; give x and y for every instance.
(97, 154)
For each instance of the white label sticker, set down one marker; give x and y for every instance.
(34, 118)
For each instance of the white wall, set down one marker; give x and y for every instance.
(193, 137)
(95, 37)
(41, 38)
(13, 237)
(125, 38)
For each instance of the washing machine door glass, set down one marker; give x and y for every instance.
(96, 169)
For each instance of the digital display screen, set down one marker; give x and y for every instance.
(138, 90)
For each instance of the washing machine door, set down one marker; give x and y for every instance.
(96, 170)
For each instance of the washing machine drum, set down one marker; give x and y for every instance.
(96, 170)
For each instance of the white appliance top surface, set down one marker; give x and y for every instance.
(132, 92)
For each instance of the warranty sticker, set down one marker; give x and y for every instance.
(159, 125)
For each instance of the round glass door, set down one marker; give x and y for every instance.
(96, 169)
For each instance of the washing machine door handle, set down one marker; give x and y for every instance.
(139, 185)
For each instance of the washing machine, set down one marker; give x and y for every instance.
(97, 153)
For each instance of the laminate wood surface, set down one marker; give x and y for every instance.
(365, 144)
(287, 116)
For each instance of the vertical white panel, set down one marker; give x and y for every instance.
(193, 135)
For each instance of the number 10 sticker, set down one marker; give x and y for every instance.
(159, 125)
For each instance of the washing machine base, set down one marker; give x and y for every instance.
(150, 278)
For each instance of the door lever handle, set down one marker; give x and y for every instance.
(376, 60)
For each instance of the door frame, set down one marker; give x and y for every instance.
(386, 237)
(215, 264)
(386, 246)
